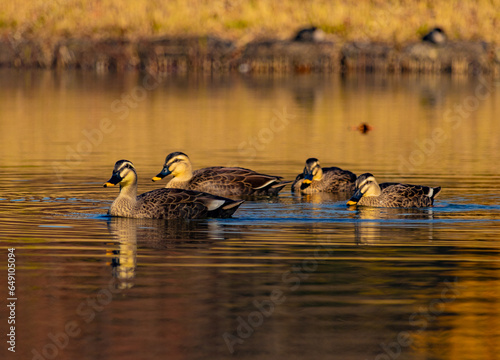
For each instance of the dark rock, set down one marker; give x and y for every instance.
(289, 56)
(367, 56)
(212, 54)
(100, 55)
(7, 54)
(456, 57)
(27, 53)
(181, 54)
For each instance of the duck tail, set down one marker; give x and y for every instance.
(434, 192)
(233, 205)
(228, 209)
(276, 188)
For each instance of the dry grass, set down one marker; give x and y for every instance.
(394, 21)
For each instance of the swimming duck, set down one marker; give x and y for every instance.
(316, 179)
(218, 180)
(163, 203)
(370, 193)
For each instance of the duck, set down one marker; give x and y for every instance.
(310, 34)
(315, 179)
(218, 180)
(436, 36)
(370, 193)
(163, 203)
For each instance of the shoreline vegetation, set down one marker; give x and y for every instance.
(250, 36)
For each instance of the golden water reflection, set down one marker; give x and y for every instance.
(352, 279)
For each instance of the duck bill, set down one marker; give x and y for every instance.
(306, 182)
(355, 198)
(161, 175)
(113, 181)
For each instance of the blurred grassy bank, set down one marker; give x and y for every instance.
(395, 21)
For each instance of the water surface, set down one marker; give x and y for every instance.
(286, 278)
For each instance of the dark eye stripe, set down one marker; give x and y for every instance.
(173, 161)
(125, 165)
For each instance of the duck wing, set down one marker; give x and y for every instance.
(407, 195)
(340, 174)
(170, 203)
(235, 181)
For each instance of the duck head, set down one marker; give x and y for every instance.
(312, 171)
(366, 185)
(123, 174)
(177, 164)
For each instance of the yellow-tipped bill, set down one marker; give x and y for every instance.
(306, 181)
(355, 198)
(164, 172)
(115, 179)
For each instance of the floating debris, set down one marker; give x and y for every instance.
(362, 128)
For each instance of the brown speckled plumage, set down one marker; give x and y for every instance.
(332, 179)
(218, 180)
(392, 194)
(163, 203)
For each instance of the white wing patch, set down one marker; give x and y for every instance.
(266, 184)
(213, 204)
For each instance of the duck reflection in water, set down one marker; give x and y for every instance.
(377, 225)
(157, 234)
(124, 259)
(321, 198)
